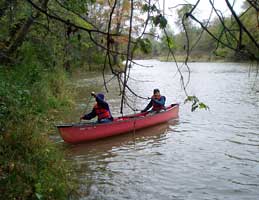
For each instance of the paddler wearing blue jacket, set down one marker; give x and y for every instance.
(101, 110)
(157, 102)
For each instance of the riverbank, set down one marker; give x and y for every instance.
(195, 58)
(32, 99)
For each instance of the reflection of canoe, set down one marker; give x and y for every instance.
(153, 135)
(81, 132)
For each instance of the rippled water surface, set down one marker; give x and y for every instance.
(202, 155)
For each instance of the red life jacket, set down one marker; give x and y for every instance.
(102, 113)
(157, 107)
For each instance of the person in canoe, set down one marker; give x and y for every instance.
(157, 102)
(101, 110)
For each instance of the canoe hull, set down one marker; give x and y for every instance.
(78, 133)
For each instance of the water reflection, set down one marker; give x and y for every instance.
(99, 162)
(149, 136)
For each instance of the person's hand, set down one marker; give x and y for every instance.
(93, 94)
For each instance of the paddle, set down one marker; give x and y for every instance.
(89, 99)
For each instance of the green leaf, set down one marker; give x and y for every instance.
(170, 42)
(145, 8)
(191, 99)
(155, 20)
(163, 22)
(145, 45)
(159, 20)
(203, 106)
(154, 8)
(39, 196)
(195, 103)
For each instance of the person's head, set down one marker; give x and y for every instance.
(100, 95)
(156, 93)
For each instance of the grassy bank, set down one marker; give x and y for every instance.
(31, 97)
(199, 57)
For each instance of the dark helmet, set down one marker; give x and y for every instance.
(101, 96)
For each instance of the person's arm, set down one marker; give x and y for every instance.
(161, 101)
(90, 115)
(147, 107)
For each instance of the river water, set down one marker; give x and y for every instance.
(202, 155)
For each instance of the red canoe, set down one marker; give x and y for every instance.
(81, 132)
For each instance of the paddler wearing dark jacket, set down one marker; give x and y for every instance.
(101, 110)
(157, 102)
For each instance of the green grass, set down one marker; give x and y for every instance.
(31, 97)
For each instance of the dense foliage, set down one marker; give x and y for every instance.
(33, 88)
(30, 165)
(218, 38)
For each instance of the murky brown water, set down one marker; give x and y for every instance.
(202, 155)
